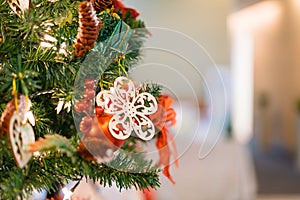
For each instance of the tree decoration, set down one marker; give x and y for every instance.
(85, 105)
(101, 5)
(39, 66)
(88, 30)
(97, 143)
(6, 116)
(129, 110)
(15, 122)
(103, 121)
(163, 118)
(120, 7)
(20, 135)
(19, 6)
(21, 106)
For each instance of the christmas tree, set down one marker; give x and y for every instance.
(68, 108)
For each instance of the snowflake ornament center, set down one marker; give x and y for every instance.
(129, 110)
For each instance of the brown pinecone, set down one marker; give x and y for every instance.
(88, 30)
(101, 5)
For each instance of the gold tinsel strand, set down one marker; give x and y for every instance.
(88, 30)
(101, 5)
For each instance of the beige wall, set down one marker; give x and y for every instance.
(239, 4)
(203, 20)
(273, 26)
(276, 74)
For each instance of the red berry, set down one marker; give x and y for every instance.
(83, 105)
(86, 124)
(89, 94)
(80, 106)
(89, 84)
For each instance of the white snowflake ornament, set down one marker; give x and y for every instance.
(129, 110)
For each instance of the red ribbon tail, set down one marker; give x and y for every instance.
(175, 154)
(149, 194)
(166, 172)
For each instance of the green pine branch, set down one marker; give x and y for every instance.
(48, 168)
(47, 75)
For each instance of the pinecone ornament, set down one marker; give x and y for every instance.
(88, 30)
(101, 5)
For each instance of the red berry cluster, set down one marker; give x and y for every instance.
(86, 103)
(86, 106)
(96, 139)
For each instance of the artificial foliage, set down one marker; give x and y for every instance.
(39, 58)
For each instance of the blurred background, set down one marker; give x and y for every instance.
(249, 50)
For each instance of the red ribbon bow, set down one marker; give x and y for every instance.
(119, 6)
(162, 119)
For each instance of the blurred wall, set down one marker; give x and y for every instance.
(203, 20)
(244, 3)
(275, 30)
(277, 76)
